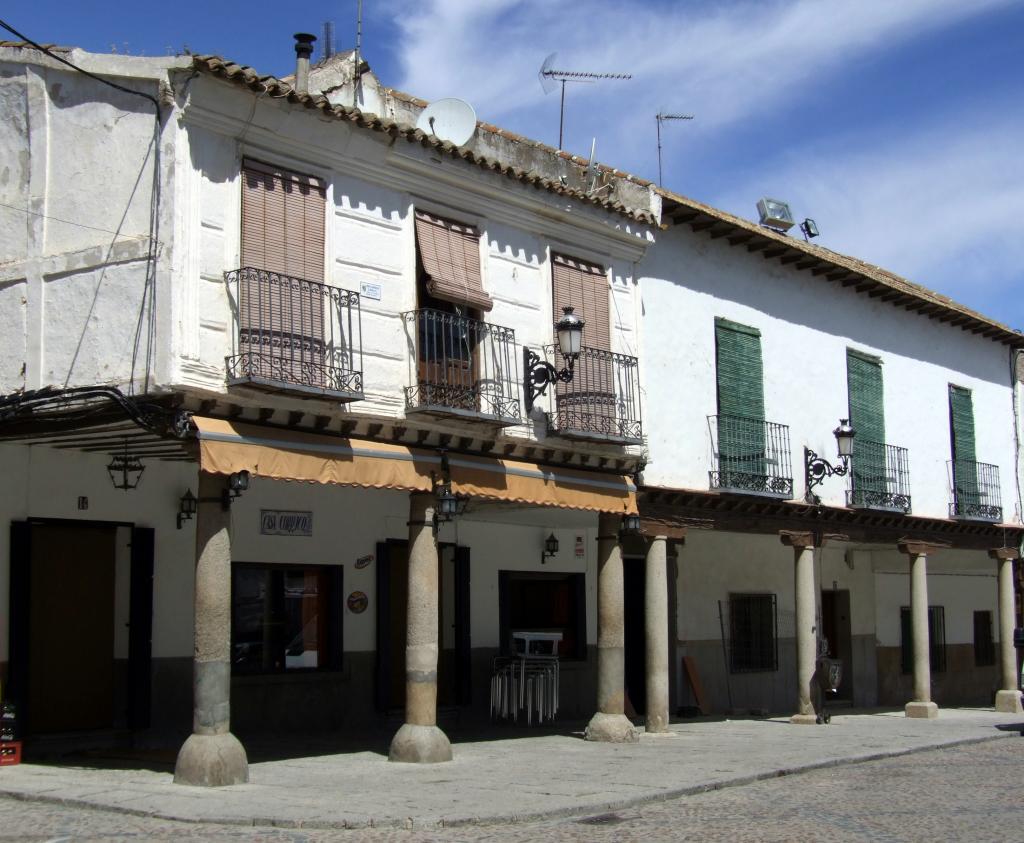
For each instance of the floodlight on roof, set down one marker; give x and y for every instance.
(775, 214)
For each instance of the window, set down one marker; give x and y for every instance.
(741, 429)
(449, 254)
(984, 647)
(867, 415)
(961, 434)
(936, 639)
(285, 617)
(753, 633)
(544, 602)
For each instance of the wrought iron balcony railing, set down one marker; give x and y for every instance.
(750, 456)
(465, 367)
(880, 477)
(975, 493)
(603, 399)
(295, 335)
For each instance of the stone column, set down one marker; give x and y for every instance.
(1007, 697)
(610, 722)
(212, 756)
(803, 545)
(656, 629)
(921, 705)
(419, 740)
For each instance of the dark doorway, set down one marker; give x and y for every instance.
(454, 655)
(634, 586)
(836, 628)
(71, 628)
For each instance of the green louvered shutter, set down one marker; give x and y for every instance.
(867, 415)
(965, 469)
(741, 440)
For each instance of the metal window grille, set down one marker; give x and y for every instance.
(295, 335)
(880, 477)
(936, 639)
(975, 492)
(753, 633)
(984, 646)
(464, 367)
(750, 456)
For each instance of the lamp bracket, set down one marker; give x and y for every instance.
(538, 374)
(816, 469)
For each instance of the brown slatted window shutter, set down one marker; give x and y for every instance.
(584, 287)
(281, 317)
(450, 254)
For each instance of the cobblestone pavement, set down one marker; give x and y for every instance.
(970, 792)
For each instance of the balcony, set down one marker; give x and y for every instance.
(295, 336)
(750, 457)
(602, 402)
(465, 368)
(880, 477)
(975, 493)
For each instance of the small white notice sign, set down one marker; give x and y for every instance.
(285, 522)
(370, 291)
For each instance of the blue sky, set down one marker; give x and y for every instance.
(898, 126)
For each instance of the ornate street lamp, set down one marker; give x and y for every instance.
(537, 373)
(817, 469)
(125, 470)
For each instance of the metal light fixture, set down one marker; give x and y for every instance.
(810, 228)
(817, 469)
(537, 373)
(550, 548)
(187, 505)
(237, 483)
(125, 469)
(630, 523)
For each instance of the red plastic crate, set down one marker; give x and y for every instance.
(10, 753)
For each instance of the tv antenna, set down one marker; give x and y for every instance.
(549, 76)
(660, 118)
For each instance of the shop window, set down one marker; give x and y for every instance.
(753, 633)
(544, 602)
(936, 639)
(984, 646)
(285, 618)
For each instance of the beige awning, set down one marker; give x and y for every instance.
(450, 253)
(226, 447)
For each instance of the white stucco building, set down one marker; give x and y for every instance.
(310, 327)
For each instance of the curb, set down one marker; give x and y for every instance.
(433, 824)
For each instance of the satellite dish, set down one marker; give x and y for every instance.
(547, 82)
(451, 120)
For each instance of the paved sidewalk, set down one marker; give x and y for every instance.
(512, 779)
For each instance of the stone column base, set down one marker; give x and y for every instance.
(420, 745)
(804, 719)
(611, 728)
(1009, 702)
(924, 710)
(211, 761)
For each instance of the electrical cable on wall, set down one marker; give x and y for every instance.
(146, 323)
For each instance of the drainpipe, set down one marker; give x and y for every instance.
(303, 50)
(1016, 355)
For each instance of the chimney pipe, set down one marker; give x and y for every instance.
(303, 50)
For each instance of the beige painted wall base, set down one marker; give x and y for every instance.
(804, 719)
(420, 745)
(923, 710)
(1009, 702)
(611, 728)
(211, 761)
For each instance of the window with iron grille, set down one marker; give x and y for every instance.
(984, 646)
(753, 633)
(936, 639)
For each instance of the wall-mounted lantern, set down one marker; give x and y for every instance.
(630, 524)
(537, 373)
(237, 483)
(125, 469)
(550, 548)
(187, 506)
(817, 469)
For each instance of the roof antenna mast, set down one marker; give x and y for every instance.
(357, 58)
(660, 118)
(548, 76)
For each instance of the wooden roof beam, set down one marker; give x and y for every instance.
(774, 252)
(682, 217)
(703, 225)
(717, 233)
(740, 237)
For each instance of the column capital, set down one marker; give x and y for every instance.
(1004, 553)
(919, 548)
(798, 538)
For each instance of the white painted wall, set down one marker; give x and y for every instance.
(806, 326)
